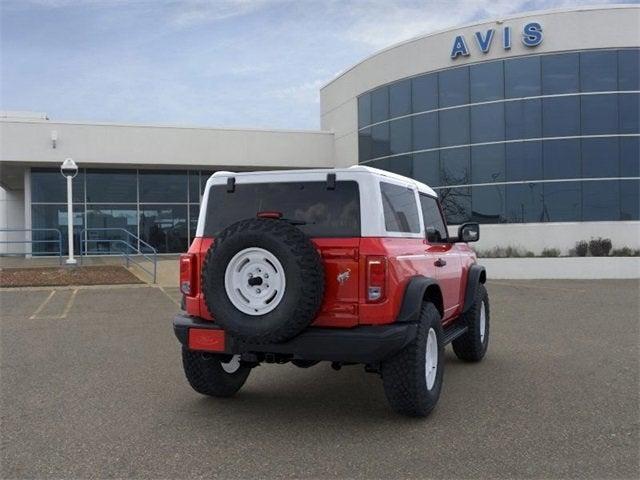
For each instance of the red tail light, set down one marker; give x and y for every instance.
(187, 273)
(376, 279)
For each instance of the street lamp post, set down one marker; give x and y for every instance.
(69, 169)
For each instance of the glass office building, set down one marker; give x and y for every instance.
(539, 138)
(159, 206)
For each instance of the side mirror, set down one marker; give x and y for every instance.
(432, 235)
(469, 232)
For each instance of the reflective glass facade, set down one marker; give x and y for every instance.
(542, 138)
(159, 206)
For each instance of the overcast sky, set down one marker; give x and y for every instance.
(247, 63)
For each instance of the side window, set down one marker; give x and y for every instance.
(433, 223)
(400, 209)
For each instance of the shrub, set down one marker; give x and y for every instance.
(550, 252)
(600, 247)
(581, 249)
(505, 252)
(625, 252)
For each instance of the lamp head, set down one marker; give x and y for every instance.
(69, 168)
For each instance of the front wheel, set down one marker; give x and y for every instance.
(412, 378)
(214, 375)
(472, 346)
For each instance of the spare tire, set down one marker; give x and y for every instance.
(263, 280)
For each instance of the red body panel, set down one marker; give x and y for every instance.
(345, 301)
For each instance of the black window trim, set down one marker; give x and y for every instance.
(442, 217)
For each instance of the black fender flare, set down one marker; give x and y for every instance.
(414, 295)
(476, 276)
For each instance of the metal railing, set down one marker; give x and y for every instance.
(31, 241)
(130, 247)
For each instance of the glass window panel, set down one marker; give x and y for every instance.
(629, 69)
(55, 216)
(380, 104)
(456, 204)
(163, 186)
(382, 164)
(400, 98)
(48, 185)
(115, 218)
(364, 110)
(523, 161)
(454, 87)
(629, 112)
(522, 77)
(400, 135)
(204, 176)
(194, 187)
(432, 218)
(426, 168)
(400, 208)
(598, 71)
(164, 227)
(561, 202)
(561, 159)
(424, 92)
(487, 81)
(402, 165)
(630, 200)
(560, 73)
(487, 204)
(380, 140)
(112, 186)
(524, 203)
(630, 157)
(425, 131)
(194, 211)
(599, 114)
(561, 116)
(454, 166)
(454, 127)
(487, 164)
(523, 119)
(600, 200)
(600, 157)
(365, 144)
(487, 123)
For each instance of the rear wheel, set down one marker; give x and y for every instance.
(472, 346)
(214, 375)
(413, 377)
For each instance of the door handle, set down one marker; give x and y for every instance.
(440, 262)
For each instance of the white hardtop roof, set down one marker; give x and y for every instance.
(357, 169)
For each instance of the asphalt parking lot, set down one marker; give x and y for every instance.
(92, 387)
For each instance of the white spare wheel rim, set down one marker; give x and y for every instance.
(255, 281)
(431, 359)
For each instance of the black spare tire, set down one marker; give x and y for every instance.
(263, 280)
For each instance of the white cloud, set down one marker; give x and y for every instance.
(193, 12)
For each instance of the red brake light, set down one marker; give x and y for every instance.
(376, 279)
(274, 215)
(187, 272)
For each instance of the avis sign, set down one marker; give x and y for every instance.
(531, 37)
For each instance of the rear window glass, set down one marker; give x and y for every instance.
(400, 209)
(325, 213)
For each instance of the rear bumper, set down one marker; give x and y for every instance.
(366, 344)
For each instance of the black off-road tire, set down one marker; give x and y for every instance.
(206, 376)
(404, 376)
(469, 347)
(303, 269)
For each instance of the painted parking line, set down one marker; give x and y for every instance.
(42, 305)
(37, 315)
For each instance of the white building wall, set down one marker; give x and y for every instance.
(538, 236)
(11, 216)
(29, 141)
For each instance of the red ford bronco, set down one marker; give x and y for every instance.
(350, 265)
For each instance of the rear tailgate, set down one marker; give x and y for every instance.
(341, 271)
